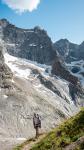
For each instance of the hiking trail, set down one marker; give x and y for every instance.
(27, 145)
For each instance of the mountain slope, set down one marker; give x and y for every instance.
(70, 131)
(33, 89)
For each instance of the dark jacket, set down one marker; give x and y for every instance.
(36, 121)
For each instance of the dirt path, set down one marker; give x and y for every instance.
(32, 143)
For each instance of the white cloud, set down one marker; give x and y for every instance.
(22, 5)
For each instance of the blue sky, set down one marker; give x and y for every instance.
(61, 18)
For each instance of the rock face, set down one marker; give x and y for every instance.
(5, 72)
(60, 70)
(69, 51)
(33, 44)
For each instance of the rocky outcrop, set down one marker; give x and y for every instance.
(59, 69)
(78, 144)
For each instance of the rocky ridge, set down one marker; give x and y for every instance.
(32, 44)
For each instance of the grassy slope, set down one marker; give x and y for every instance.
(68, 132)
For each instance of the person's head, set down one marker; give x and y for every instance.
(37, 115)
(34, 114)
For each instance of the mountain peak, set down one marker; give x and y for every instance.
(37, 28)
(82, 43)
(63, 41)
(4, 22)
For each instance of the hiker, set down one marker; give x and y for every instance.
(37, 123)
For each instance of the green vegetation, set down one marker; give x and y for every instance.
(70, 131)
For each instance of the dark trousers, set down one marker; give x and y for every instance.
(37, 132)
